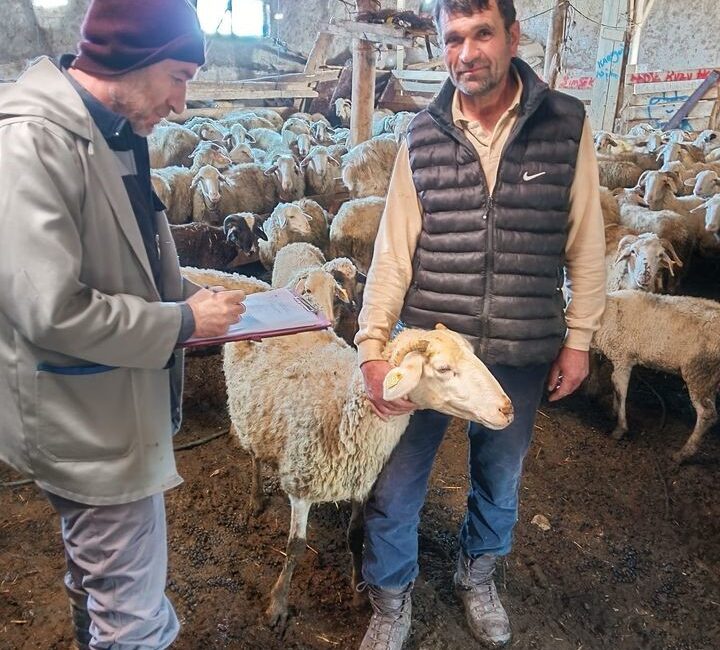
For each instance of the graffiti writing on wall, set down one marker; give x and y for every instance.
(660, 108)
(605, 64)
(576, 83)
(673, 75)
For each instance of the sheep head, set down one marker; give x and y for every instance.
(289, 216)
(210, 153)
(343, 108)
(646, 257)
(244, 229)
(712, 215)
(208, 180)
(438, 370)
(657, 187)
(286, 171)
(705, 184)
(241, 153)
(322, 291)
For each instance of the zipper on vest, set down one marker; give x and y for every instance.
(489, 264)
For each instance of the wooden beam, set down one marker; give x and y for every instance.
(556, 31)
(363, 84)
(610, 64)
(319, 52)
(688, 106)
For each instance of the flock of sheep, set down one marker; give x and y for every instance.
(297, 403)
(661, 208)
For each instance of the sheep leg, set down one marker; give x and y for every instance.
(257, 502)
(277, 611)
(706, 416)
(355, 538)
(620, 380)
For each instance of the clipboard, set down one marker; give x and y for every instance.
(278, 312)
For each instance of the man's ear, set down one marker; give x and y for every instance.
(401, 380)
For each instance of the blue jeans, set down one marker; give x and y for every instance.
(496, 458)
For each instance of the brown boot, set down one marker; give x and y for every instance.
(80, 620)
(390, 622)
(475, 588)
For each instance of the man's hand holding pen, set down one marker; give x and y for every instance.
(215, 309)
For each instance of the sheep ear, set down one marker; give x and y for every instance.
(674, 183)
(624, 247)
(690, 182)
(195, 180)
(307, 216)
(250, 138)
(360, 277)
(299, 287)
(643, 178)
(335, 160)
(305, 162)
(270, 170)
(259, 232)
(400, 381)
(341, 294)
(702, 206)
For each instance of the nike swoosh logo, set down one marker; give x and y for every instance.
(528, 177)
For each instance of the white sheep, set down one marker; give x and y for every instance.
(299, 404)
(321, 170)
(208, 186)
(171, 144)
(173, 187)
(250, 189)
(241, 153)
(209, 153)
(288, 176)
(209, 130)
(343, 109)
(704, 184)
(267, 139)
(293, 257)
(367, 167)
(354, 229)
(640, 262)
(248, 120)
(214, 278)
(287, 223)
(675, 334)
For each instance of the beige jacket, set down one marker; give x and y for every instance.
(390, 274)
(85, 340)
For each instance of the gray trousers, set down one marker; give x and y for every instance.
(117, 559)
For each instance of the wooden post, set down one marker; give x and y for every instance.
(554, 41)
(400, 53)
(363, 84)
(610, 64)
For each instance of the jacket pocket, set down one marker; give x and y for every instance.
(85, 413)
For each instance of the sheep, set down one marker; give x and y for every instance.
(299, 404)
(250, 189)
(687, 154)
(173, 187)
(368, 166)
(244, 230)
(343, 109)
(708, 140)
(291, 258)
(640, 130)
(319, 229)
(400, 124)
(322, 132)
(209, 153)
(241, 153)
(321, 170)
(205, 246)
(297, 126)
(618, 173)
(287, 223)
(675, 334)
(610, 207)
(207, 196)
(204, 277)
(301, 145)
(709, 241)
(238, 134)
(270, 115)
(382, 121)
(640, 263)
(248, 120)
(354, 228)
(209, 131)
(341, 136)
(171, 144)
(705, 184)
(660, 189)
(288, 176)
(314, 118)
(267, 139)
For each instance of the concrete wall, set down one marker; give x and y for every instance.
(677, 35)
(681, 36)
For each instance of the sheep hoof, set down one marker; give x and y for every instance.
(277, 616)
(618, 433)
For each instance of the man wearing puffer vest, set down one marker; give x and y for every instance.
(493, 203)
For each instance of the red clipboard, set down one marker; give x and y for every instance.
(278, 312)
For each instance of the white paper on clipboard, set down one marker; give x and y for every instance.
(278, 312)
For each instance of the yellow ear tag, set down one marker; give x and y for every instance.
(394, 380)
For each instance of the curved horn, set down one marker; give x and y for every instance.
(671, 255)
(413, 345)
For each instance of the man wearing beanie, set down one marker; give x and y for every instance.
(93, 307)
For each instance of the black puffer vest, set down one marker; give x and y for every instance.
(491, 267)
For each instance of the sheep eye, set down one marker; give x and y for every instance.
(444, 369)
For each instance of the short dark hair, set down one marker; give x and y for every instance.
(469, 7)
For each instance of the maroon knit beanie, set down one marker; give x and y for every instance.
(120, 36)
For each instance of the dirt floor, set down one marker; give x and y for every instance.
(631, 561)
